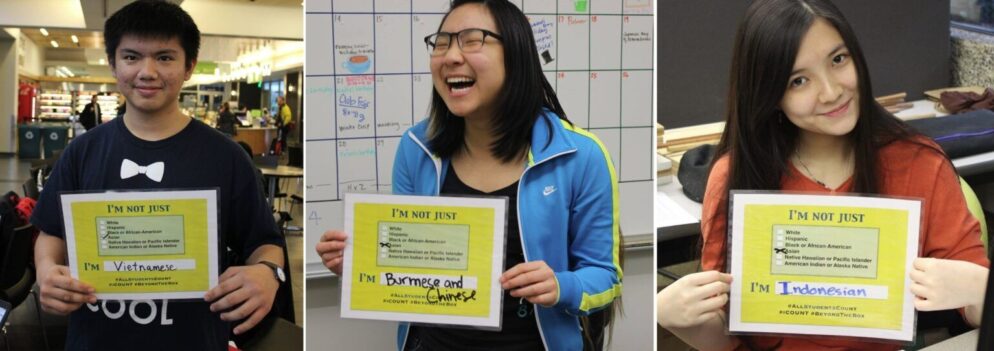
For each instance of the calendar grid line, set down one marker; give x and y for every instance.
(376, 110)
(443, 13)
(556, 64)
(590, 95)
(621, 94)
(334, 67)
(388, 84)
(652, 135)
(416, 73)
(358, 138)
(410, 22)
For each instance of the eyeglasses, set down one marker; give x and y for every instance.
(469, 40)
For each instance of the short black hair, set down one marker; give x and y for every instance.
(520, 102)
(153, 19)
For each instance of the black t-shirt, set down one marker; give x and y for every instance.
(196, 157)
(519, 328)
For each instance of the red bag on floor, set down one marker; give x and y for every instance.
(23, 207)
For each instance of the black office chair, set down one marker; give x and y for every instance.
(295, 156)
(295, 159)
(294, 199)
(17, 276)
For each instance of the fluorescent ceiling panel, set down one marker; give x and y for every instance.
(42, 13)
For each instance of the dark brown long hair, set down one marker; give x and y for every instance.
(758, 137)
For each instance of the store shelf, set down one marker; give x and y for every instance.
(54, 104)
(108, 106)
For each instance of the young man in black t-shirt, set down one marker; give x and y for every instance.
(152, 49)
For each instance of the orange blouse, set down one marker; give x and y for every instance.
(909, 169)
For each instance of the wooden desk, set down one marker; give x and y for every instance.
(256, 137)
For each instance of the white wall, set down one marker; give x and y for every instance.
(325, 330)
(8, 93)
(240, 20)
(33, 57)
(42, 13)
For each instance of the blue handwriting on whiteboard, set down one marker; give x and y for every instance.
(543, 36)
(348, 112)
(350, 101)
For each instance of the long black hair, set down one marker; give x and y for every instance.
(757, 137)
(526, 91)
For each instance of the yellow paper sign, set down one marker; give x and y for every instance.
(824, 265)
(143, 245)
(424, 259)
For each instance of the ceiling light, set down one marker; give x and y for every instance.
(54, 44)
(66, 71)
(44, 32)
(102, 62)
(75, 39)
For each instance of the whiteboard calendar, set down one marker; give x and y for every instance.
(367, 80)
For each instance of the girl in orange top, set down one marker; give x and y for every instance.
(801, 117)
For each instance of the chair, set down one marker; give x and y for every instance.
(294, 198)
(266, 161)
(17, 276)
(295, 159)
(295, 156)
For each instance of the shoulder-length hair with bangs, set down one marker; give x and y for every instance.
(526, 91)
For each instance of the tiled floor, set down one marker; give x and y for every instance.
(23, 329)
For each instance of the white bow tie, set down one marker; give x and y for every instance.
(153, 171)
